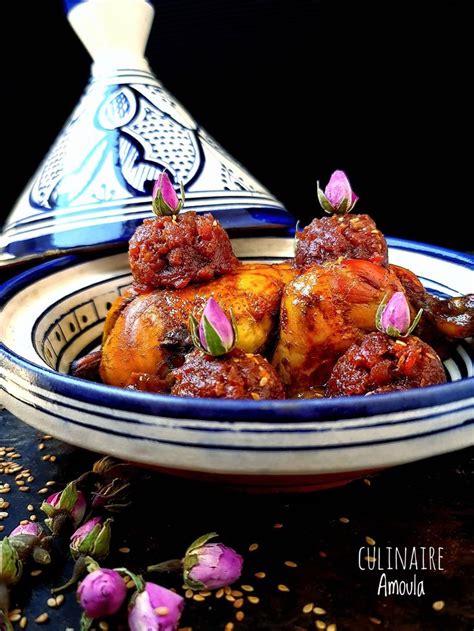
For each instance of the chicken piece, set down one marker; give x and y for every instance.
(324, 311)
(236, 375)
(150, 335)
(383, 364)
(451, 317)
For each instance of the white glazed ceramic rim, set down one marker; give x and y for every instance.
(271, 437)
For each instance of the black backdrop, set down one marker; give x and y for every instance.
(293, 89)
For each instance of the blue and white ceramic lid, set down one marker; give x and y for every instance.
(94, 186)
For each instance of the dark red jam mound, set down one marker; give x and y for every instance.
(237, 375)
(383, 364)
(340, 236)
(175, 251)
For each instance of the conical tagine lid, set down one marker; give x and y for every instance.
(94, 186)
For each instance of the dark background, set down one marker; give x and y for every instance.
(294, 89)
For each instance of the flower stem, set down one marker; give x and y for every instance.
(139, 583)
(5, 606)
(173, 565)
(80, 568)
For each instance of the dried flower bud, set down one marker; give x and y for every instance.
(101, 593)
(11, 568)
(92, 539)
(215, 334)
(155, 609)
(31, 528)
(393, 317)
(211, 565)
(338, 196)
(67, 504)
(165, 199)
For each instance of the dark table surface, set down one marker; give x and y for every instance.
(422, 504)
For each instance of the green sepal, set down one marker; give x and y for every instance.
(414, 324)
(68, 498)
(136, 578)
(214, 342)
(48, 509)
(200, 541)
(324, 201)
(379, 312)
(87, 544)
(194, 331)
(86, 622)
(102, 542)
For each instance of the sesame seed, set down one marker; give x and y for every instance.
(219, 593)
(2, 527)
(236, 593)
(162, 611)
(51, 602)
(255, 396)
(308, 608)
(331, 627)
(227, 589)
(438, 605)
(206, 593)
(198, 597)
(43, 491)
(319, 610)
(283, 588)
(370, 541)
(343, 520)
(45, 458)
(23, 622)
(189, 593)
(291, 564)
(319, 624)
(42, 618)
(14, 617)
(253, 547)
(50, 483)
(239, 616)
(33, 518)
(247, 588)
(400, 342)
(23, 522)
(59, 600)
(230, 598)
(263, 381)
(36, 572)
(253, 599)
(229, 626)
(260, 575)
(375, 620)
(53, 458)
(238, 603)
(30, 507)
(124, 550)
(24, 489)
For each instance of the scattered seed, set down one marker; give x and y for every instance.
(50, 483)
(253, 547)
(206, 594)
(43, 491)
(277, 526)
(24, 489)
(247, 588)
(367, 482)
(343, 520)
(238, 603)
(219, 593)
(230, 598)
(45, 457)
(291, 564)
(53, 458)
(229, 626)
(30, 507)
(51, 602)
(30, 479)
(23, 522)
(319, 610)
(255, 396)
(189, 593)
(41, 446)
(47, 437)
(331, 627)
(308, 608)
(14, 617)
(438, 605)
(375, 620)
(59, 600)
(42, 618)
(162, 611)
(36, 572)
(253, 599)
(103, 625)
(198, 597)
(236, 593)
(124, 550)
(239, 616)
(227, 589)
(319, 624)
(4, 503)
(23, 622)
(260, 575)
(370, 541)
(283, 588)
(2, 527)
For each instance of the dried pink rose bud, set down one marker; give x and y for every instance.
(91, 539)
(31, 528)
(393, 317)
(69, 503)
(165, 199)
(338, 196)
(215, 334)
(211, 565)
(155, 609)
(101, 593)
